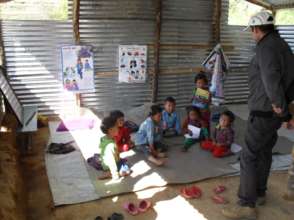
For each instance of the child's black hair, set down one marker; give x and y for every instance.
(230, 115)
(193, 109)
(155, 109)
(170, 99)
(201, 75)
(116, 114)
(107, 123)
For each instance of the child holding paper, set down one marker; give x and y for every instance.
(148, 138)
(201, 96)
(113, 166)
(170, 120)
(223, 136)
(194, 128)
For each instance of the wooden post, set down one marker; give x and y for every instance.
(76, 32)
(156, 50)
(217, 20)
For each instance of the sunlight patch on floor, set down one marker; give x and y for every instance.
(177, 208)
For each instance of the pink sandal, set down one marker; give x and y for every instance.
(131, 209)
(219, 199)
(144, 205)
(219, 189)
(193, 192)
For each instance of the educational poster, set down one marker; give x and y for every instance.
(77, 68)
(132, 63)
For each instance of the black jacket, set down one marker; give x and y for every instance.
(271, 73)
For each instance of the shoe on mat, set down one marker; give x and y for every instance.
(131, 208)
(240, 212)
(219, 189)
(261, 201)
(219, 199)
(116, 216)
(144, 205)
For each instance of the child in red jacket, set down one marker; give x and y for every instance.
(123, 138)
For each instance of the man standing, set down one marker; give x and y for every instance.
(271, 73)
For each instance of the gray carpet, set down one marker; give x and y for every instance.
(70, 175)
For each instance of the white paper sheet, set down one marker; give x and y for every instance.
(195, 132)
(235, 148)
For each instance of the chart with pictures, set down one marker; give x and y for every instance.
(77, 68)
(132, 63)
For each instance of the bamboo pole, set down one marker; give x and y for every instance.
(76, 32)
(156, 50)
(217, 20)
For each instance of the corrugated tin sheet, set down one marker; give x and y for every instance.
(236, 85)
(32, 50)
(105, 25)
(185, 24)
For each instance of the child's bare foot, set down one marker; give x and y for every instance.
(106, 175)
(157, 162)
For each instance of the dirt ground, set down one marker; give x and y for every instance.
(167, 202)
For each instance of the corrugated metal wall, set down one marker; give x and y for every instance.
(186, 33)
(236, 85)
(105, 25)
(32, 61)
(32, 50)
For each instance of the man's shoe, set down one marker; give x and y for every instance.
(261, 201)
(240, 212)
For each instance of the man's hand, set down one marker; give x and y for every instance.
(277, 110)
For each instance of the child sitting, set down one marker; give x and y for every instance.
(202, 97)
(111, 163)
(170, 119)
(123, 138)
(193, 118)
(223, 136)
(148, 138)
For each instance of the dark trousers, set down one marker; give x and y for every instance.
(256, 158)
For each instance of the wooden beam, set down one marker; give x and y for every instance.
(217, 20)
(284, 6)
(261, 3)
(157, 50)
(76, 32)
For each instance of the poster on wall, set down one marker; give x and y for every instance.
(132, 63)
(77, 68)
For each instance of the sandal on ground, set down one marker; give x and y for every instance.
(116, 216)
(131, 209)
(144, 205)
(219, 199)
(219, 189)
(193, 192)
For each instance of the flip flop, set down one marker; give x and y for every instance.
(193, 192)
(219, 189)
(144, 205)
(131, 209)
(196, 192)
(219, 199)
(116, 216)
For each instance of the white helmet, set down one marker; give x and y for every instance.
(261, 18)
